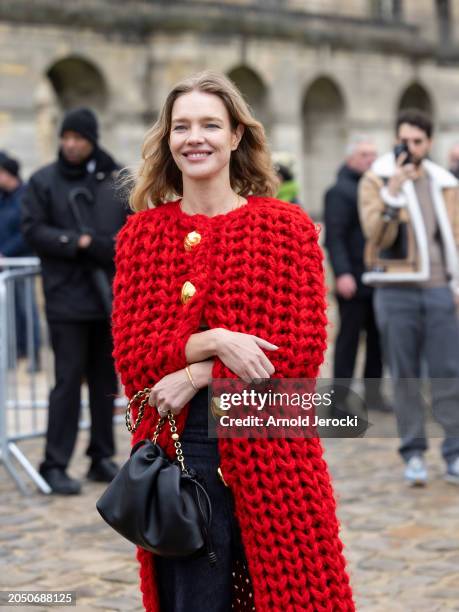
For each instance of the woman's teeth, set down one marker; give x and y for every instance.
(197, 155)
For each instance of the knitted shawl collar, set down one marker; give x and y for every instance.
(257, 269)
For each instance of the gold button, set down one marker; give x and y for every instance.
(192, 239)
(188, 290)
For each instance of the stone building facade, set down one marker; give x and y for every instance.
(316, 72)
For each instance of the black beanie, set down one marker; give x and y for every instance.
(84, 122)
(9, 164)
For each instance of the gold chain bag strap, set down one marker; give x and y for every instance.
(159, 504)
(143, 396)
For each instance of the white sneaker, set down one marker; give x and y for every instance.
(416, 472)
(452, 473)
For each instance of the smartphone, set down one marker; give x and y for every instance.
(403, 148)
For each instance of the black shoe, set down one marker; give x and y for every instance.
(103, 470)
(60, 482)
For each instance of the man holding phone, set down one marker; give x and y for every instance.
(409, 210)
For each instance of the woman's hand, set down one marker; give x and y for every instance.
(242, 354)
(175, 390)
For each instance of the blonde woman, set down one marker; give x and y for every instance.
(217, 279)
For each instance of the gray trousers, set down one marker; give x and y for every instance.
(421, 326)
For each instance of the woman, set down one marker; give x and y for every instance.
(231, 284)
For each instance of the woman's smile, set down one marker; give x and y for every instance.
(196, 156)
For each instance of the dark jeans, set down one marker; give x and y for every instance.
(81, 349)
(193, 585)
(357, 315)
(418, 324)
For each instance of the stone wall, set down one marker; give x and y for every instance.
(313, 80)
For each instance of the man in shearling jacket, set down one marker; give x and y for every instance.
(409, 210)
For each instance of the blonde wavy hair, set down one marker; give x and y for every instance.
(158, 178)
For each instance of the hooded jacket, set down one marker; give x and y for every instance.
(397, 249)
(256, 270)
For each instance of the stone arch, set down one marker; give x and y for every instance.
(77, 82)
(416, 95)
(254, 91)
(324, 139)
(67, 83)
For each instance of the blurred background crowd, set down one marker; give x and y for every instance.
(327, 79)
(80, 84)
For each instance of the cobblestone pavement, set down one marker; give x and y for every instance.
(402, 544)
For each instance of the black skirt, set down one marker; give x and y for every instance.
(192, 585)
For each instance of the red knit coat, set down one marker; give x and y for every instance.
(258, 270)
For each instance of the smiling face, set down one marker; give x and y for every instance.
(201, 138)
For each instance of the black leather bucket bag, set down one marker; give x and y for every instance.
(159, 504)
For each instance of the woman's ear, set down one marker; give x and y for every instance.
(237, 135)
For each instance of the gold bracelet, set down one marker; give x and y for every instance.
(187, 370)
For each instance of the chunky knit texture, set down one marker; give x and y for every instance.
(257, 270)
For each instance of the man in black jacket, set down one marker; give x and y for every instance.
(71, 214)
(345, 243)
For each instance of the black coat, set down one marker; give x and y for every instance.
(52, 227)
(344, 238)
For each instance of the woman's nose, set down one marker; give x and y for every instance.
(195, 135)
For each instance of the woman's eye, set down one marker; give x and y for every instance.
(178, 128)
(212, 125)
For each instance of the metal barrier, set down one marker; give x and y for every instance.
(26, 375)
(22, 413)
